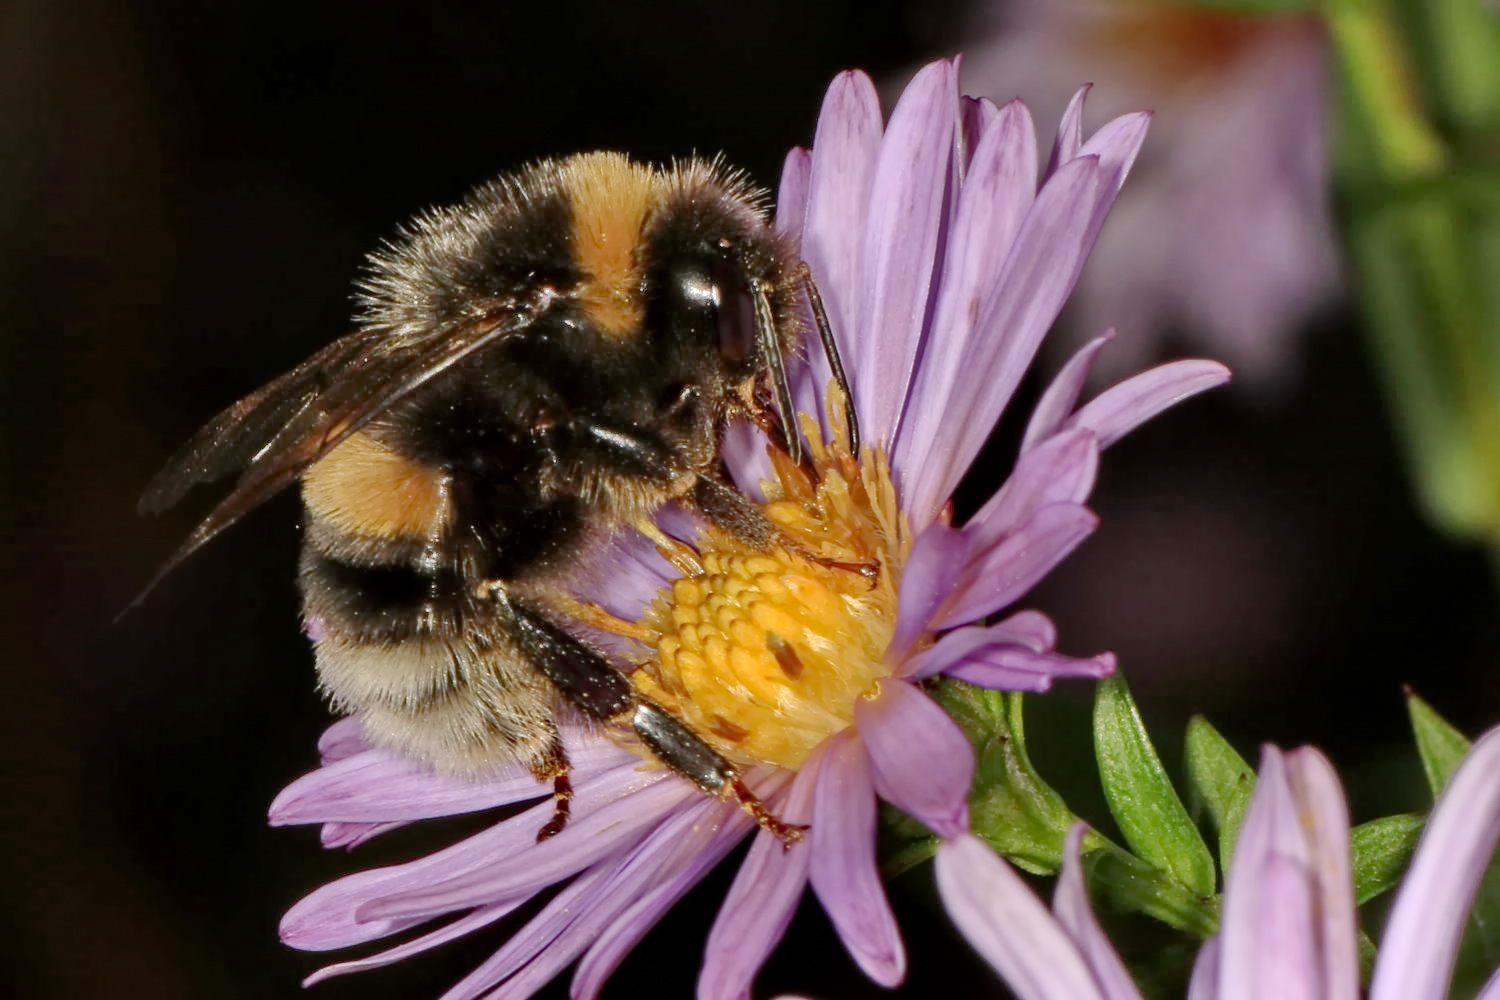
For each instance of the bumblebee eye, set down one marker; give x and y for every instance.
(697, 291)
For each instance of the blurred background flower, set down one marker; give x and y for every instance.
(1223, 243)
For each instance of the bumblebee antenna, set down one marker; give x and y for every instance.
(770, 346)
(831, 350)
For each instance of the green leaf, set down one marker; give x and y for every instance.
(1382, 849)
(1011, 808)
(1133, 885)
(1222, 780)
(1439, 744)
(1153, 819)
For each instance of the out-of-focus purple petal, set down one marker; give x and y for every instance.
(1239, 959)
(1070, 903)
(1491, 989)
(1008, 925)
(791, 197)
(1285, 940)
(937, 558)
(1060, 471)
(1001, 575)
(843, 165)
(1009, 668)
(1421, 938)
(994, 200)
(1042, 267)
(451, 931)
(921, 762)
(1205, 982)
(1274, 899)
(843, 871)
(1122, 408)
(759, 905)
(1069, 131)
(1061, 395)
(1325, 823)
(902, 226)
(344, 738)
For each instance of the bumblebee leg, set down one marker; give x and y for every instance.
(600, 691)
(557, 767)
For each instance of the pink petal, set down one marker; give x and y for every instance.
(843, 165)
(344, 738)
(791, 198)
(1325, 825)
(1004, 668)
(759, 905)
(1006, 923)
(937, 558)
(1205, 982)
(595, 831)
(999, 190)
(1030, 630)
(921, 762)
(451, 931)
(1122, 408)
(334, 916)
(900, 246)
(1022, 304)
(1069, 131)
(843, 869)
(1062, 470)
(1070, 903)
(1421, 938)
(1057, 402)
(617, 940)
(1002, 575)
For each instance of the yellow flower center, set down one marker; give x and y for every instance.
(765, 653)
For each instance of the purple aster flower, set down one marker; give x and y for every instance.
(942, 258)
(1224, 235)
(1289, 925)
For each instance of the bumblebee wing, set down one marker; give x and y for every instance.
(275, 434)
(228, 442)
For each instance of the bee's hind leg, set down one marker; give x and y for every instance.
(556, 767)
(587, 680)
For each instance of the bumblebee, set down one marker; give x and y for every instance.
(547, 362)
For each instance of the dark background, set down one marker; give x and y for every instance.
(186, 191)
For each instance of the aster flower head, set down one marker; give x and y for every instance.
(942, 257)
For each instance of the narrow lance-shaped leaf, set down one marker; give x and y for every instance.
(1222, 780)
(1382, 848)
(1440, 745)
(1153, 819)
